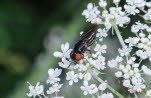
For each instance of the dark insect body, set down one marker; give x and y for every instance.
(86, 40)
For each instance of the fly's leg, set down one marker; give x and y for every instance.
(89, 51)
(83, 55)
(90, 54)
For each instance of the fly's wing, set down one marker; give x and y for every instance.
(89, 34)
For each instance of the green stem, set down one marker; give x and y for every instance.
(108, 86)
(39, 96)
(135, 95)
(118, 33)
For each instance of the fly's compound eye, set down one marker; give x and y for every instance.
(78, 57)
(72, 55)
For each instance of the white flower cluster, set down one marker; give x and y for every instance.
(111, 17)
(130, 73)
(83, 69)
(92, 89)
(148, 93)
(92, 14)
(147, 16)
(64, 55)
(53, 80)
(65, 51)
(128, 65)
(91, 64)
(137, 3)
(125, 50)
(101, 34)
(37, 90)
(142, 41)
(140, 4)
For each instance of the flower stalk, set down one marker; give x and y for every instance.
(118, 33)
(108, 86)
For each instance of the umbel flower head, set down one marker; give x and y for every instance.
(128, 65)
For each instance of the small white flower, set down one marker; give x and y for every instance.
(131, 60)
(132, 41)
(136, 81)
(87, 76)
(85, 88)
(126, 76)
(116, 1)
(123, 20)
(81, 67)
(119, 59)
(98, 63)
(146, 70)
(131, 72)
(125, 50)
(92, 89)
(141, 54)
(65, 63)
(101, 34)
(81, 75)
(100, 49)
(102, 86)
(131, 9)
(112, 63)
(148, 29)
(135, 65)
(72, 77)
(136, 70)
(92, 14)
(128, 67)
(138, 84)
(54, 89)
(35, 91)
(126, 83)
(138, 26)
(142, 35)
(118, 74)
(148, 93)
(148, 4)
(65, 51)
(121, 67)
(147, 16)
(125, 70)
(140, 45)
(106, 95)
(107, 23)
(137, 3)
(103, 3)
(53, 75)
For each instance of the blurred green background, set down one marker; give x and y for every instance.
(30, 31)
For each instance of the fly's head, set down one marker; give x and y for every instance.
(76, 56)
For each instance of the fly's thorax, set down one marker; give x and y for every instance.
(80, 47)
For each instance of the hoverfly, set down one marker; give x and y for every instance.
(85, 40)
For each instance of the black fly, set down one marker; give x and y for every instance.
(86, 40)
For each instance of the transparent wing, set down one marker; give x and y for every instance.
(89, 34)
